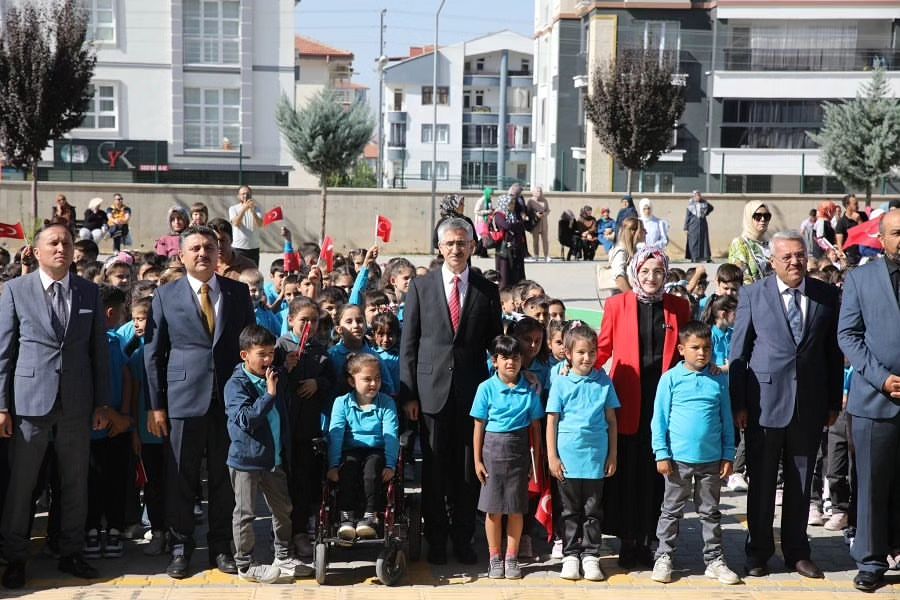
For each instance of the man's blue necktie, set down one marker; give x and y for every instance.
(795, 315)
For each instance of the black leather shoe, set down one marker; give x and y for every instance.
(864, 581)
(756, 570)
(465, 555)
(808, 568)
(76, 565)
(437, 554)
(14, 576)
(225, 563)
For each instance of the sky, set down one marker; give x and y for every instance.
(353, 25)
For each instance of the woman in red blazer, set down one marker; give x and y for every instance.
(640, 333)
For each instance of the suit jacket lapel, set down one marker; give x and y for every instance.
(192, 307)
(222, 317)
(887, 291)
(776, 305)
(76, 290)
(41, 306)
(812, 309)
(440, 299)
(470, 298)
(671, 340)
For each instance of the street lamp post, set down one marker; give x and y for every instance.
(382, 60)
(434, 99)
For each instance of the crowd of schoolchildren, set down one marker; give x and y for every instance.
(323, 361)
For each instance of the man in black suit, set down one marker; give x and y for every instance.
(786, 379)
(191, 348)
(868, 336)
(451, 316)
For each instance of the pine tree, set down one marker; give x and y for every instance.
(860, 138)
(46, 66)
(324, 137)
(633, 107)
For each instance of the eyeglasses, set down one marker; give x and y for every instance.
(456, 244)
(787, 258)
(762, 217)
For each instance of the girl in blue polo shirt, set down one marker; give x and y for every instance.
(507, 414)
(581, 449)
(720, 316)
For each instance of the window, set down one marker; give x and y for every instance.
(397, 137)
(477, 174)
(526, 135)
(799, 46)
(212, 32)
(210, 117)
(102, 112)
(443, 95)
(101, 20)
(658, 183)
(426, 134)
(479, 136)
(770, 123)
(522, 171)
(467, 100)
(398, 100)
(479, 97)
(748, 184)
(441, 172)
(479, 65)
(526, 66)
(663, 37)
(443, 134)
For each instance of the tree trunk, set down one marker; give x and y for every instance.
(628, 182)
(324, 184)
(869, 195)
(34, 195)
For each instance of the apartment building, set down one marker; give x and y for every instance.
(484, 115)
(184, 91)
(755, 74)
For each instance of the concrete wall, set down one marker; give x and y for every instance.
(352, 212)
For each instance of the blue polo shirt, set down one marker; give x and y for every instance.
(721, 345)
(268, 320)
(582, 438)
(371, 426)
(118, 362)
(692, 417)
(272, 417)
(506, 408)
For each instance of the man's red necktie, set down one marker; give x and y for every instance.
(455, 310)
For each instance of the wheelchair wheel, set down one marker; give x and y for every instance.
(321, 562)
(391, 565)
(414, 531)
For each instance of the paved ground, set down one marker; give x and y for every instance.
(352, 575)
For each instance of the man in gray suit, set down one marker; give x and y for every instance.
(191, 349)
(54, 362)
(786, 379)
(869, 337)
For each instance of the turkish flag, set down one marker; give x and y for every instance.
(292, 262)
(865, 234)
(326, 256)
(15, 232)
(544, 512)
(383, 229)
(273, 215)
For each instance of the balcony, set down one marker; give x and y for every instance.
(810, 59)
(396, 116)
(482, 80)
(396, 154)
(580, 81)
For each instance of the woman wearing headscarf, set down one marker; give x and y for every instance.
(509, 217)
(540, 208)
(452, 206)
(750, 250)
(483, 210)
(587, 232)
(826, 238)
(169, 245)
(626, 210)
(633, 496)
(697, 247)
(657, 229)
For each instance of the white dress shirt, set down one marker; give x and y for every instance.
(47, 281)
(786, 297)
(214, 295)
(448, 276)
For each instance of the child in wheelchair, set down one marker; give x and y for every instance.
(363, 447)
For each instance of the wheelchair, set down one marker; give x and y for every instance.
(401, 523)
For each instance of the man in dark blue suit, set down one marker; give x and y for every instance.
(191, 350)
(786, 378)
(868, 335)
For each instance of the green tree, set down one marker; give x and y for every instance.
(633, 106)
(860, 138)
(46, 66)
(360, 175)
(324, 137)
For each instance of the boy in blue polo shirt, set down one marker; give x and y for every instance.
(581, 449)
(258, 428)
(693, 440)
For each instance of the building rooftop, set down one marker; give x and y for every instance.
(310, 48)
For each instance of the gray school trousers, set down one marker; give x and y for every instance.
(702, 483)
(274, 487)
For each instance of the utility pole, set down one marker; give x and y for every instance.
(434, 101)
(382, 60)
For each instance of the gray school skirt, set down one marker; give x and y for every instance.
(507, 458)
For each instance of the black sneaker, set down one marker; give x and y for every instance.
(347, 529)
(92, 544)
(113, 546)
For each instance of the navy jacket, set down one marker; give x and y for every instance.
(868, 336)
(252, 443)
(774, 378)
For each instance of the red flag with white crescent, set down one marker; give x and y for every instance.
(16, 232)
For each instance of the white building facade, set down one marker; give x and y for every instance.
(184, 92)
(484, 115)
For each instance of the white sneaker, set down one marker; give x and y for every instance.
(737, 482)
(779, 496)
(816, 518)
(526, 548)
(548, 259)
(662, 569)
(557, 551)
(292, 567)
(260, 573)
(570, 569)
(837, 522)
(591, 567)
(717, 569)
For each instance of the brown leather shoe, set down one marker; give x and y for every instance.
(808, 568)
